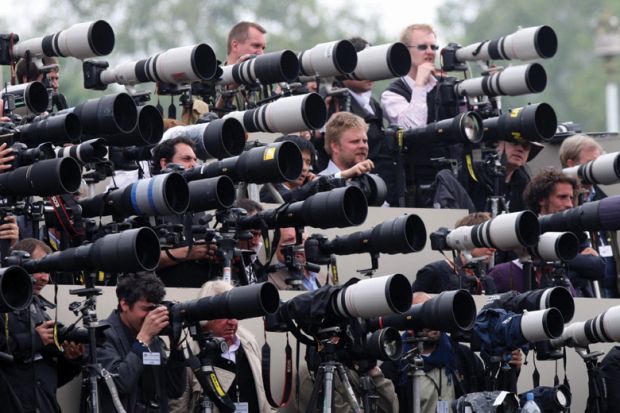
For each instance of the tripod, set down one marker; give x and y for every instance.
(324, 380)
(597, 397)
(415, 370)
(211, 348)
(93, 370)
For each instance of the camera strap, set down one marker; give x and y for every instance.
(288, 373)
(63, 216)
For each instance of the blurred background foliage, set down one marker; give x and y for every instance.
(576, 76)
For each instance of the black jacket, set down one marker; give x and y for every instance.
(610, 367)
(438, 276)
(135, 382)
(512, 191)
(30, 383)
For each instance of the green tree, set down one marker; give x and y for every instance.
(143, 28)
(575, 75)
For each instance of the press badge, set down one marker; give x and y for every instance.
(242, 407)
(151, 359)
(442, 406)
(605, 251)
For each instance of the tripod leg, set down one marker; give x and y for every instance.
(316, 389)
(350, 394)
(328, 388)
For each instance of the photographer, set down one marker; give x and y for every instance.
(466, 272)
(245, 41)
(549, 192)
(450, 370)
(239, 369)
(347, 145)
(302, 187)
(29, 384)
(29, 71)
(134, 353)
(513, 180)
(578, 150)
(183, 266)
(293, 267)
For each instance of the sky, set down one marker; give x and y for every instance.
(393, 14)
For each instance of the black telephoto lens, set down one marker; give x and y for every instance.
(44, 178)
(211, 193)
(128, 251)
(166, 194)
(275, 162)
(341, 207)
(15, 289)
(108, 115)
(148, 130)
(242, 302)
(57, 129)
(528, 123)
(450, 311)
(603, 215)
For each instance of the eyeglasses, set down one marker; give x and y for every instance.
(423, 47)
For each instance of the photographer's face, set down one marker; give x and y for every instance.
(133, 316)
(41, 279)
(352, 148)
(254, 44)
(358, 86)
(307, 158)
(225, 328)
(516, 154)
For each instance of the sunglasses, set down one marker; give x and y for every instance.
(423, 47)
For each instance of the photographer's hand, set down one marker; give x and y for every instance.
(5, 157)
(517, 359)
(9, 230)
(46, 332)
(72, 351)
(358, 169)
(154, 322)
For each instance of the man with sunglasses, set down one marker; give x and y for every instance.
(407, 101)
(410, 102)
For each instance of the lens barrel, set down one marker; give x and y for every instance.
(328, 59)
(15, 289)
(174, 66)
(82, 40)
(400, 235)
(242, 302)
(57, 129)
(148, 130)
(373, 297)
(276, 162)
(450, 311)
(166, 194)
(382, 62)
(604, 170)
(30, 98)
(603, 215)
(512, 81)
(338, 208)
(128, 251)
(524, 44)
(556, 246)
(93, 150)
(220, 138)
(466, 127)
(505, 232)
(529, 123)
(211, 193)
(285, 115)
(265, 69)
(44, 178)
(108, 115)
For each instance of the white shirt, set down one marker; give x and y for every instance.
(410, 114)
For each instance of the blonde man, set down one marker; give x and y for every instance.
(347, 145)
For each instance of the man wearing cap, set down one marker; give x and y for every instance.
(514, 156)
